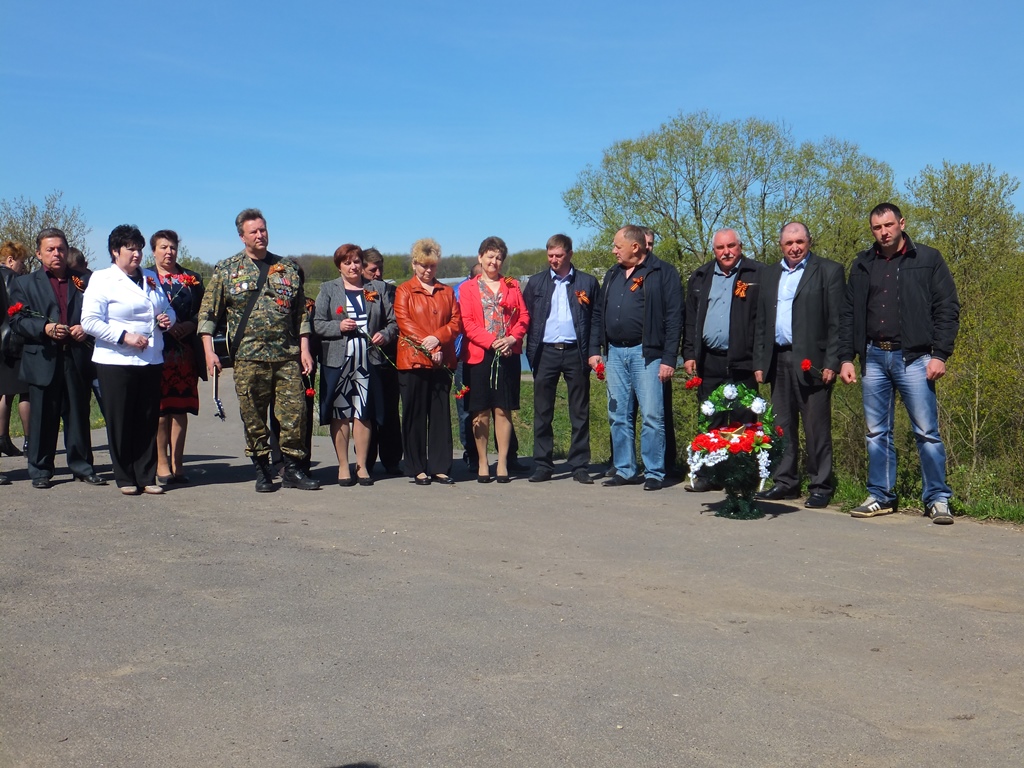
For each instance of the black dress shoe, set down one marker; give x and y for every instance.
(442, 479)
(610, 472)
(8, 448)
(503, 478)
(484, 478)
(582, 476)
(92, 479)
(778, 493)
(5, 480)
(818, 500)
(653, 484)
(701, 485)
(365, 481)
(614, 481)
(421, 480)
(540, 476)
(41, 482)
(346, 482)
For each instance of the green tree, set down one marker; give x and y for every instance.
(21, 220)
(697, 174)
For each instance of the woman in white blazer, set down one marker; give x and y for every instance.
(126, 311)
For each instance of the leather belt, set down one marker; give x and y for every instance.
(560, 345)
(715, 352)
(886, 346)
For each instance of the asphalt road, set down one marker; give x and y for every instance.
(482, 625)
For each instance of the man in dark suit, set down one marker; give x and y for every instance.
(56, 361)
(796, 350)
(564, 340)
(719, 320)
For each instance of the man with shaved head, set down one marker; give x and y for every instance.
(642, 317)
(796, 350)
(721, 310)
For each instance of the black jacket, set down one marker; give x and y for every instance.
(663, 308)
(929, 306)
(742, 316)
(816, 310)
(586, 314)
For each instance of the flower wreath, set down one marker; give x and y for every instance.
(760, 440)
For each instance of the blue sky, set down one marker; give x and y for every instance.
(379, 123)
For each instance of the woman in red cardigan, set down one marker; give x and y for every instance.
(495, 320)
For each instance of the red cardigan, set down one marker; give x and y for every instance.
(517, 319)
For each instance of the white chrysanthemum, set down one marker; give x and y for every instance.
(758, 406)
(730, 392)
(707, 408)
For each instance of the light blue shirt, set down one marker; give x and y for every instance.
(559, 327)
(717, 319)
(788, 283)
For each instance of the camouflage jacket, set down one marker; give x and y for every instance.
(278, 318)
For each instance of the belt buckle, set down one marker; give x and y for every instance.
(885, 346)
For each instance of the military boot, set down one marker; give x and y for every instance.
(264, 475)
(293, 477)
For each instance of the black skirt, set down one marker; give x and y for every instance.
(493, 386)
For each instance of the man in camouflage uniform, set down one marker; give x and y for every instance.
(273, 352)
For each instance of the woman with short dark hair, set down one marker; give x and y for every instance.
(127, 312)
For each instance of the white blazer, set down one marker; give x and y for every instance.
(114, 304)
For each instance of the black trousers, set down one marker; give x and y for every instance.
(132, 397)
(387, 437)
(65, 398)
(551, 364)
(794, 401)
(426, 421)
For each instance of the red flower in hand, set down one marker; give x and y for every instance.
(599, 370)
(805, 365)
(462, 393)
(310, 392)
(15, 309)
(694, 382)
(339, 311)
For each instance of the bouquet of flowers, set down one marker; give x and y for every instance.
(740, 452)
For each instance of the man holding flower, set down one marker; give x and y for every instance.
(796, 351)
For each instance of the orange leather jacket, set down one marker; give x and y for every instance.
(422, 312)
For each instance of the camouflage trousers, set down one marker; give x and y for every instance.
(259, 387)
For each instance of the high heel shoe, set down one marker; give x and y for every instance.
(346, 482)
(365, 481)
(484, 478)
(503, 479)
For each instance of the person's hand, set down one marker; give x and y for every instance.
(437, 356)
(935, 370)
(136, 340)
(306, 362)
(690, 366)
(56, 331)
(594, 362)
(163, 320)
(759, 377)
(78, 333)
(377, 338)
(665, 372)
(348, 325)
(827, 375)
(848, 373)
(429, 342)
(213, 365)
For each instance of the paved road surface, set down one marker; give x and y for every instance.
(483, 625)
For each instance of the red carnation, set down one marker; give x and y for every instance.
(15, 309)
(310, 392)
(339, 311)
(599, 370)
(805, 365)
(695, 382)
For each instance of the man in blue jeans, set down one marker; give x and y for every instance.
(642, 312)
(901, 317)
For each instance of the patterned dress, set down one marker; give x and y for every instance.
(179, 385)
(352, 392)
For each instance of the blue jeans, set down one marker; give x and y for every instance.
(884, 375)
(630, 379)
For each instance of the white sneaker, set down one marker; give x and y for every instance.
(872, 507)
(939, 512)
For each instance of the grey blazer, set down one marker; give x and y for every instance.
(327, 322)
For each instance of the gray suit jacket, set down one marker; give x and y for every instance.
(327, 322)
